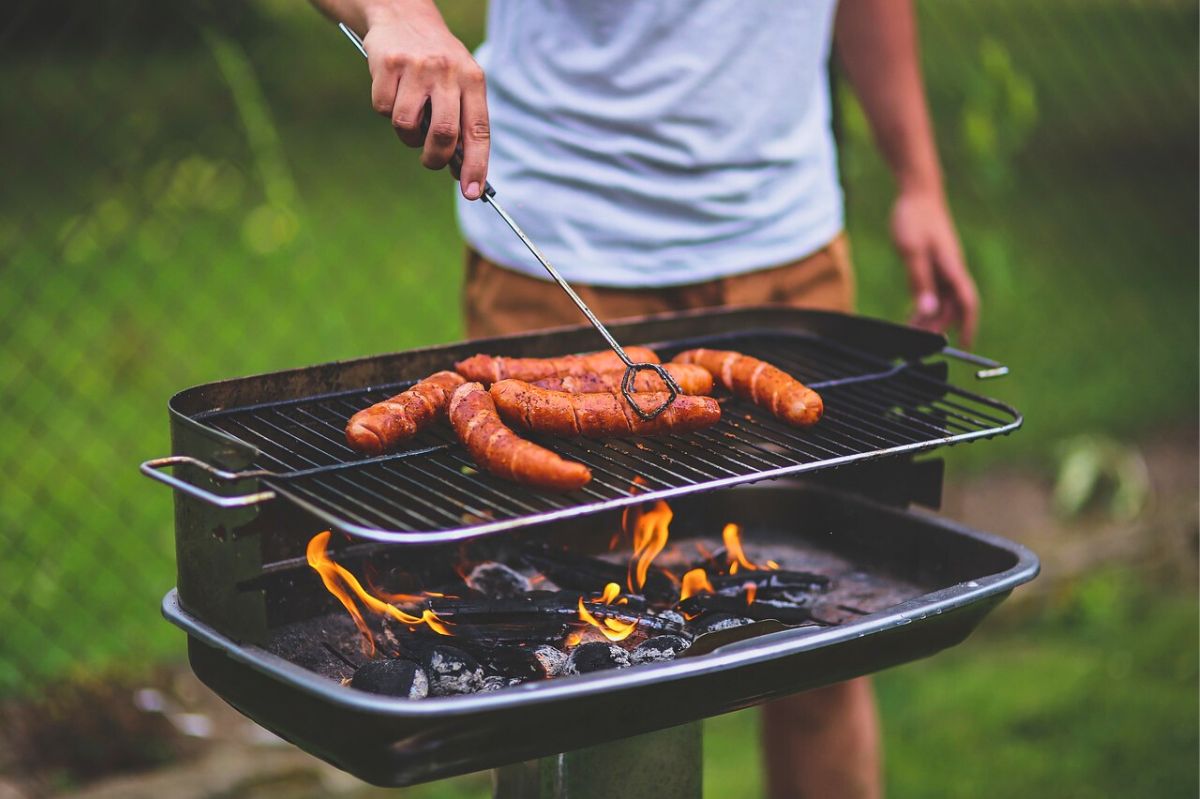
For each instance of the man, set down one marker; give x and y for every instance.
(675, 154)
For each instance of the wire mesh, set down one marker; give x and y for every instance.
(431, 490)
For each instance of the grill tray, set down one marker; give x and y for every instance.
(285, 431)
(963, 574)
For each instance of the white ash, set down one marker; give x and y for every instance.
(596, 656)
(720, 621)
(496, 682)
(392, 677)
(672, 616)
(497, 581)
(452, 671)
(658, 649)
(552, 659)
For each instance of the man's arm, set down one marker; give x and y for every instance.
(877, 42)
(414, 59)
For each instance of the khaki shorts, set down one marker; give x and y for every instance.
(499, 301)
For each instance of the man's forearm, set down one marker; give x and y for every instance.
(357, 13)
(877, 42)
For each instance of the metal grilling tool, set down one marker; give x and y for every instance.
(631, 369)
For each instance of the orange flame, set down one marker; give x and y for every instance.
(612, 629)
(649, 537)
(573, 639)
(634, 488)
(751, 592)
(732, 535)
(695, 582)
(337, 579)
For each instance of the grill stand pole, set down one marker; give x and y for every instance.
(668, 763)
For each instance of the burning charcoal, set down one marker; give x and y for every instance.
(758, 610)
(718, 621)
(540, 607)
(570, 570)
(596, 656)
(498, 581)
(393, 677)
(451, 671)
(511, 662)
(493, 682)
(789, 585)
(659, 648)
(673, 617)
(552, 659)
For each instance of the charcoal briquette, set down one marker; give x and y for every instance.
(392, 677)
(596, 656)
(497, 581)
(672, 616)
(719, 621)
(658, 649)
(552, 659)
(451, 671)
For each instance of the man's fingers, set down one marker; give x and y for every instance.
(442, 137)
(384, 77)
(476, 136)
(923, 283)
(408, 110)
(961, 289)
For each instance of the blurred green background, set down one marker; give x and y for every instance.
(194, 192)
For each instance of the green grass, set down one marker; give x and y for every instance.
(166, 223)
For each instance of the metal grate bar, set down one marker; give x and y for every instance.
(432, 491)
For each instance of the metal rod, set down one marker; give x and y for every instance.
(631, 368)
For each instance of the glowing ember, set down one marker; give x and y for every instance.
(695, 582)
(612, 629)
(573, 639)
(337, 579)
(650, 535)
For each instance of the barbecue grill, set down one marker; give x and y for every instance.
(261, 466)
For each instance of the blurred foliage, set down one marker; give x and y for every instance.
(200, 191)
(1095, 469)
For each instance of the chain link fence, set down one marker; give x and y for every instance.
(195, 192)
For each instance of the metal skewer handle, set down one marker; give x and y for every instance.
(631, 369)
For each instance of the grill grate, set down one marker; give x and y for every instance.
(432, 492)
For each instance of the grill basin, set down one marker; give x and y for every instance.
(963, 574)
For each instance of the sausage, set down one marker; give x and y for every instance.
(767, 386)
(385, 424)
(601, 414)
(500, 451)
(492, 368)
(691, 379)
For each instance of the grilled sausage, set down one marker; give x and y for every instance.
(500, 451)
(767, 386)
(385, 424)
(601, 415)
(691, 379)
(492, 368)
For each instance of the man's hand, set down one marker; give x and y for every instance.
(877, 40)
(417, 63)
(943, 292)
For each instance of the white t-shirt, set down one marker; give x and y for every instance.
(658, 142)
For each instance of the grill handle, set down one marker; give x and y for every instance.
(991, 368)
(153, 470)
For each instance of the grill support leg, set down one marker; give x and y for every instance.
(668, 762)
